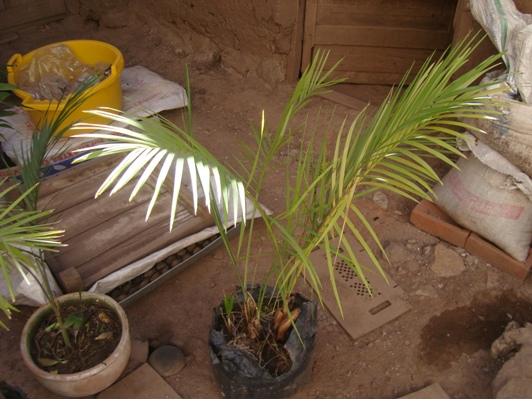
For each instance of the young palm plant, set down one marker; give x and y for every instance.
(21, 236)
(386, 150)
(25, 230)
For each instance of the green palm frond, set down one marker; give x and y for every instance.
(33, 167)
(159, 147)
(22, 235)
(387, 154)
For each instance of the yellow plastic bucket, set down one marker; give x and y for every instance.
(107, 93)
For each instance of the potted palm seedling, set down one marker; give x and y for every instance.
(76, 344)
(262, 334)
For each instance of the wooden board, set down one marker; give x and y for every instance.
(107, 233)
(379, 40)
(143, 383)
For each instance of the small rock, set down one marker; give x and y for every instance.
(139, 350)
(413, 246)
(397, 253)
(447, 263)
(167, 360)
(380, 199)
(428, 291)
(218, 256)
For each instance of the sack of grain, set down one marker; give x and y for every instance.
(489, 202)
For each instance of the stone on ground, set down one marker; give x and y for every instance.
(167, 360)
(447, 263)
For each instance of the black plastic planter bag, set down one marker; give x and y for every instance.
(240, 376)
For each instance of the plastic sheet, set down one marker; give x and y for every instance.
(54, 72)
(240, 376)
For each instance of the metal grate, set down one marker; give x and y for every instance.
(344, 270)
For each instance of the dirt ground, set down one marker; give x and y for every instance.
(443, 339)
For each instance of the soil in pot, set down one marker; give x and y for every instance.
(250, 360)
(95, 334)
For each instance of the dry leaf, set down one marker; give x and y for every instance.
(105, 335)
(104, 317)
(48, 362)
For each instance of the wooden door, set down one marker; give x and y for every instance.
(377, 39)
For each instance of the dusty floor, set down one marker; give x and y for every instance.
(444, 338)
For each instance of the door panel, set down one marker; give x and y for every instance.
(379, 40)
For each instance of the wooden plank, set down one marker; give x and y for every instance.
(308, 37)
(86, 215)
(349, 16)
(348, 101)
(79, 173)
(371, 59)
(423, 8)
(111, 231)
(71, 210)
(106, 233)
(70, 280)
(381, 37)
(370, 78)
(84, 180)
(136, 249)
(376, 37)
(293, 62)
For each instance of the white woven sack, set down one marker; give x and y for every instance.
(510, 31)
(488, 203)
(509, 133)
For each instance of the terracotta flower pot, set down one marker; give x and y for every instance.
(90, 381)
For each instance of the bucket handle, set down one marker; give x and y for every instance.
(14, 60)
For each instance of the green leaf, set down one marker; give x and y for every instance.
(74, 320)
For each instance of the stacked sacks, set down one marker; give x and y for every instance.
(491, 193)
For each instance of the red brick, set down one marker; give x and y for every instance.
(478, 246)
(428, 217)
